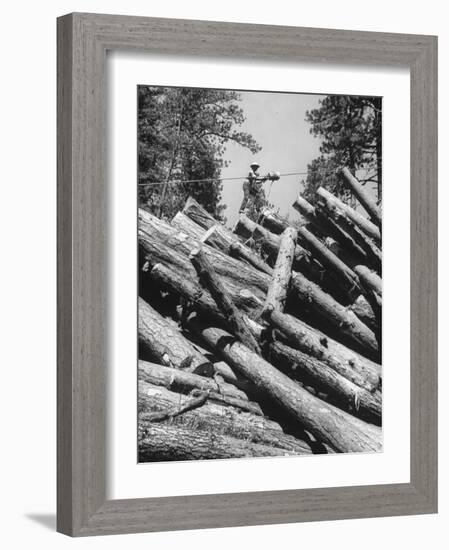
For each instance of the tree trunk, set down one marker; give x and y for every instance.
(185, 224)
(157, 253)
(184, 382)
(193, 293)
(341, 318)
(164, 243)
(369, 278)
(336, 428)
(373, 254)
(356, 400)
(362, 308)
(347, 363)
(365, 200)
(224, 301)
(166, 344)
(171, 247)
(216, 419)
(328, 259)
(314, 298)
(363, 223)
(269, 244)
(342, 359)
(273, 222)
(167, 442)
(221, 238)
(280, 281)
(349, 250)
(198, 214)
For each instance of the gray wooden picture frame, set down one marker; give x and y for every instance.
(83, 40)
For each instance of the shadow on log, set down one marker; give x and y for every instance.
(214, 418)
(338, 429)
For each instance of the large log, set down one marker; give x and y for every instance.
(303, 262)
(349, 250)
(369, 278)
(214, 418)
(358, 401)
(165, 244)
(166, 344)
(364, 311)
(327, 258)
(280, 280)
(269, 244)
(166, 442)
(184, 382)
(223, 299)
(221, 238)
(338, 429)
(372, 286)
(363, 223)
(365, 200)
(273, 222)
(193, 293)
(188, 226)
(341, 318)
(198, 214)
(159, 254)
(155, 234)
(373, 253)
(342, 360)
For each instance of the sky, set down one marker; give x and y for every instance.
(277, 123)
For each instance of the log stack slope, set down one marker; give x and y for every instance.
(264, 339)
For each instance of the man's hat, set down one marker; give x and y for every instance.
(255, 164)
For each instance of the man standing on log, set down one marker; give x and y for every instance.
(253, 194)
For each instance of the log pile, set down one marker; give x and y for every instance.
(263, 340)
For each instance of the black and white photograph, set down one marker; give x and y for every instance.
(259, 274)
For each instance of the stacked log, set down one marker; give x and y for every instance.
(261, 340)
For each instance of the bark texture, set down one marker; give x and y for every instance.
(185, 382)
(330, 260)
(280, 280)
(223, 299)
(362, 308)
(198, 214)
(363, 223)
(171, 247)
(372, 251)
(273, 222)
(166, 244)
(352, 397)
(353, 366)
(365, 200)
(338, 429)
(167, 442)
(261, 341)
(370, 279)
(221, 238)
(268, 243)
(342, 318)
(214, 418)
(188, 226)
(197, 297)
(165, 343)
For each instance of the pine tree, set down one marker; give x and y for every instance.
(350, 128)
(182, 135)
